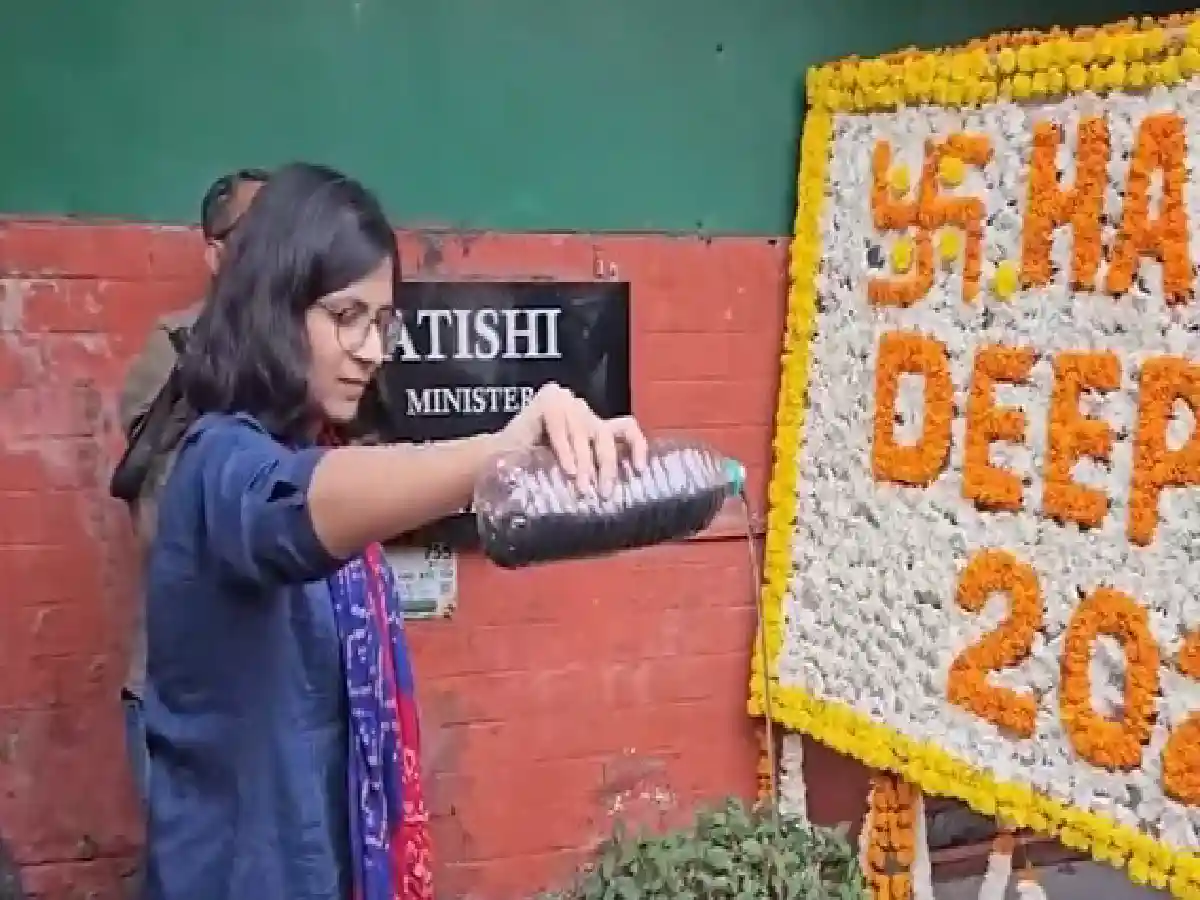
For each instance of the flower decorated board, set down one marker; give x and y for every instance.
(983, 559)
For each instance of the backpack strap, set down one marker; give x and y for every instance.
(153, 433)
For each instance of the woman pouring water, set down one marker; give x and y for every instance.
(283, 737)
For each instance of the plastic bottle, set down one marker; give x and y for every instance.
(530, 511)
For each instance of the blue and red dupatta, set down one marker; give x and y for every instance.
(389, 822)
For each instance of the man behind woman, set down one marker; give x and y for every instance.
(282, 732)
(222, 206)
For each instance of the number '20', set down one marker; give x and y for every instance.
(1116, 743)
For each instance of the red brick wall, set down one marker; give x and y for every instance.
(553, 699)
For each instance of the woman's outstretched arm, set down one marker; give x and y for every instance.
(282, 515)
(364, 494)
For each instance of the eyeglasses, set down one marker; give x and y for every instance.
(353, 325)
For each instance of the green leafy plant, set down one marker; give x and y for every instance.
(728, 853)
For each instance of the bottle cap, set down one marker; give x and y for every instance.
(735, 475)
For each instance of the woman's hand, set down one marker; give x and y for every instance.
(585, 444)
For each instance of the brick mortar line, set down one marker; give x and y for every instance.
(78, 861)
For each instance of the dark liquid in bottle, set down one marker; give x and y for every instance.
(529, 511)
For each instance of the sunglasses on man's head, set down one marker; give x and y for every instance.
(228, 188)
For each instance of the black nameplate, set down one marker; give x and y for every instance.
(471, 354)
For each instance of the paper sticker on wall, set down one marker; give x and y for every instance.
(426, 578)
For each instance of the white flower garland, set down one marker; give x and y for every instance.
(793, 796)
(864, 833)
(1029, 889)
(922, 867)
(997, 875)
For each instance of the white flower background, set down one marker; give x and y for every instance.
(871, 620)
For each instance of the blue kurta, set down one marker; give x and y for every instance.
(246, 709)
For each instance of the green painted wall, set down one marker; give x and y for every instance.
(597, 115)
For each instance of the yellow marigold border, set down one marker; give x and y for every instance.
(805, 260)
(1134, 54)
(929, 767)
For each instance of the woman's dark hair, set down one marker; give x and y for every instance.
(310, 231)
